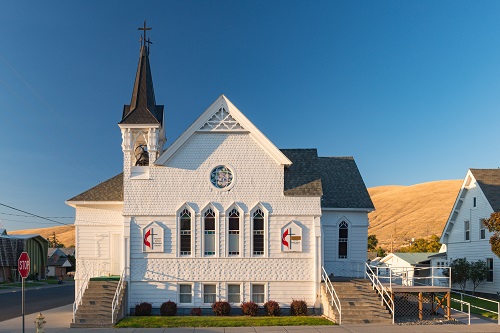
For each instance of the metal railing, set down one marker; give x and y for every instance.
(333, 295)
(346, 268)
(377, 285)
(461, 301)
(413, 276)
(116, 298)
(78, 299)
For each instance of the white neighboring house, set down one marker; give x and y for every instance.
(220, 214)
(408, 268)
(464, 234)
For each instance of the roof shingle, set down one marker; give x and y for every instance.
(109, 190)
(489, 182)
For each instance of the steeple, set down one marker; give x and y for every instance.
(143, 133)
(143, 108)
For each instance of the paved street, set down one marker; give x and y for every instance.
(37, 299)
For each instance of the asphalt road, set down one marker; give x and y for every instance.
(35, 300)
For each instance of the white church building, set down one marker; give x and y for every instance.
(219, 214)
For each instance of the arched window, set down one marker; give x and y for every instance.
(185, 232)
(209, 227)
(234, 233)
(258, 232)
(343, 237)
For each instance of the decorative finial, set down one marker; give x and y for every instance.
(145, 28)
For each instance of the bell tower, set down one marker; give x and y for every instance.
(142, 126)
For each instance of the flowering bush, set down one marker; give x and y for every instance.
(168, 308)
(143, 309)
(272, 308)
(298, 308)
(249, 308)
(221, 308)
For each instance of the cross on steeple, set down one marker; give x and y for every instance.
(144, 28)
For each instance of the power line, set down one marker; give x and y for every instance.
(40, 217)
(49, 217)
(37, 222)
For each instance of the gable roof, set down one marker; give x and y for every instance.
(143, 108)
(489, 182)
(222, 102)
(302, 178)
(343, 186)
(413, 258)
(109, 190)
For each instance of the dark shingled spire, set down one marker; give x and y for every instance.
(143, 108)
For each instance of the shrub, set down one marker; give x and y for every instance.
(143, 309)
(195, 312)
(168, 308)
(249, 308)
(298, 308)
(272, 308)
(221, 308)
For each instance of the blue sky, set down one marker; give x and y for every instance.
(411, 89)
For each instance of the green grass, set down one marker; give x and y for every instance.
(214, 321)
(106, 278)
(26, 284)
(476, 302)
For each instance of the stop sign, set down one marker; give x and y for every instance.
(23, 265)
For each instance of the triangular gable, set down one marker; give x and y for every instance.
(469, 178)
(223, 116)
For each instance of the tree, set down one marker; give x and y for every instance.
(478, 273)
(493, 225)
(459, 272)
(423, 245)
(54, 242)
(380, 252)
(372, 242)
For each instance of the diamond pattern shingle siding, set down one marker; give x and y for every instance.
(336, 179)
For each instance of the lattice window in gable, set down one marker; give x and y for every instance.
(221, 121)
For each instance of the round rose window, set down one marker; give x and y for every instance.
(221, 177)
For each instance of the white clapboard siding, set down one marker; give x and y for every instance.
(475, 248)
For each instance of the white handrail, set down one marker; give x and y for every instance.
(333, 295)
(380, 289)
(79, 296)
(117, 296)
(478, 307)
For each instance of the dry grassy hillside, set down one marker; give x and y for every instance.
(411, 211)
(64, 234)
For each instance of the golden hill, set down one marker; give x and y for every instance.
(406, 212)
(64, 234)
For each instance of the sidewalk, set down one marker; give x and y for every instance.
(58, 320)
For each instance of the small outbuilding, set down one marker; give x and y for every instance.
(11, 247)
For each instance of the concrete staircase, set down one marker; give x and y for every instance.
(360, 304)
(96, 307)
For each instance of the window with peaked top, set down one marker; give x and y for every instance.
(209, 228)
(185, 232)
(343, 238)
(258, 232)
(234, 233)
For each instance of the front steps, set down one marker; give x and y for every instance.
(360, 303)
(96, 307)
